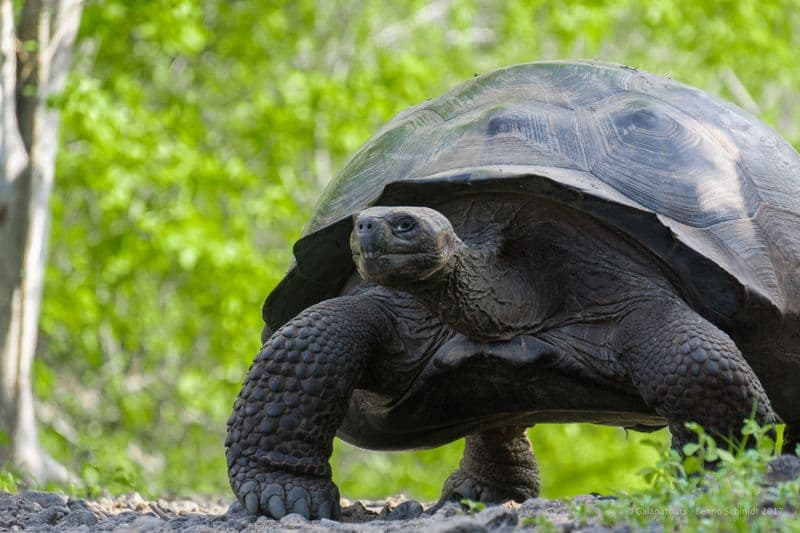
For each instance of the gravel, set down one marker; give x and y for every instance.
(45, 511)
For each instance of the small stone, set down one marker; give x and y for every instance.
(134, 500)
(406, 511)
(497, 517)
(457, 525)
(105, 501)
(327, 523)
(356, 513)
(783, 468)
(78, 518)
(45, 499)
(144, 524)
(262, 523)
(449, 509)
(294, 521)
(77, 505)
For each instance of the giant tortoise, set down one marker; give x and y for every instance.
(563, 241)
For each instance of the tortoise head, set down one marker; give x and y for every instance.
(393, 246)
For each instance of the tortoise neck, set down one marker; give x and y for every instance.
(486, 294)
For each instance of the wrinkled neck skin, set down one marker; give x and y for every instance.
(485, 293)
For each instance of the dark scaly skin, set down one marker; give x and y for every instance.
(498, 465)
(280, 434)
(675, 357)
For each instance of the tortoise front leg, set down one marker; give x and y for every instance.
(498, 465)
(280, 435)
(689, 370)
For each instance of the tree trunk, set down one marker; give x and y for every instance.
(33, 65)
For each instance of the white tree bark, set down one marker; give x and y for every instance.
(34, 60)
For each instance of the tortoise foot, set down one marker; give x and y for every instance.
(461, 485)
(277, 494)
(498, 465)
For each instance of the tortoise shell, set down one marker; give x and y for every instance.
(707, 188)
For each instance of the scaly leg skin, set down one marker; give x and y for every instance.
(498, 465)
(689, 370)
(280, 435)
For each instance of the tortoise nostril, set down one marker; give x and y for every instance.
(365, 226)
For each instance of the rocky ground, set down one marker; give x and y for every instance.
(45, 511)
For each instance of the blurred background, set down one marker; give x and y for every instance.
(196, 136)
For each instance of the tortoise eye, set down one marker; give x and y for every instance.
(406, 224)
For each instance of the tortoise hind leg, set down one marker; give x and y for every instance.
(689, 370)
(498, 465)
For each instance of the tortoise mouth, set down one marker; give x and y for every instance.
(386, 267)
(374, 255)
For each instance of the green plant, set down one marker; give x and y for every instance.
(472, 505)
(541, 523)
(581, 512)
(706, 488)
(9, 481)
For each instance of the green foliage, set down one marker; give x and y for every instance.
(596, 459)
(685, 492)
(472, 506)
(541, 523)
(196, 136)
(581, 458)
(9, 481)
(367, 474)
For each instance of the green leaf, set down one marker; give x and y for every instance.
(690, 448)
(693, 465)
(726, 456)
